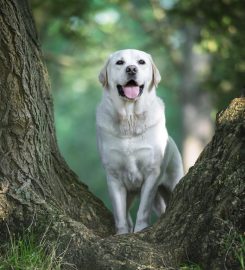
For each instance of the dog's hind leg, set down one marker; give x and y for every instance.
(161, 200)
(174, 166)
(173, 172)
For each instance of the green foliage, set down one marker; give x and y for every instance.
(27, 253)
(221, 35)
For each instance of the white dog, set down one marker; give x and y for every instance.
(138, 155)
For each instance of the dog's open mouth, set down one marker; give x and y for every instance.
(131, 90)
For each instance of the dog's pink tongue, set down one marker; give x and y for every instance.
(131, 91)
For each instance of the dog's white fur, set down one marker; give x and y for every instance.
(136, 151)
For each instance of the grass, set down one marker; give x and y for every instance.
(28, 253)
(240, 250)
(235, 244)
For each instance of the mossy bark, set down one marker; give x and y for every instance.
(38, 190)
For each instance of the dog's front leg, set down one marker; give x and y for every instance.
(147, 195)
(118, 196)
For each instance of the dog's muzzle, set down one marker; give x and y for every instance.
(131, 90)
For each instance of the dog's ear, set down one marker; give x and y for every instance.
(103, 76)
(156, 77)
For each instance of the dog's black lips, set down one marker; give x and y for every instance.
(129, 83)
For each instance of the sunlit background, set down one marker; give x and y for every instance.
(197, 45)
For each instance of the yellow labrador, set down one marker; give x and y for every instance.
(138, 155)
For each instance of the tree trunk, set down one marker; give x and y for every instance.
(38, 189)
(34, 176)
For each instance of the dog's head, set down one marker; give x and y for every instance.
(129, 73)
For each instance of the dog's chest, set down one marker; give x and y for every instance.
(132, 160)
(133, 163)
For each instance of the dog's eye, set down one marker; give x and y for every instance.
(120, 62)
(141, 62)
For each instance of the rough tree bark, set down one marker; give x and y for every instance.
(39, 190)
(34, 177)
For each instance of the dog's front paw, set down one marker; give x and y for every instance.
(122, 230)
(139, 226)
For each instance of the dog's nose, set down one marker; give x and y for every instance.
(131, 70)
